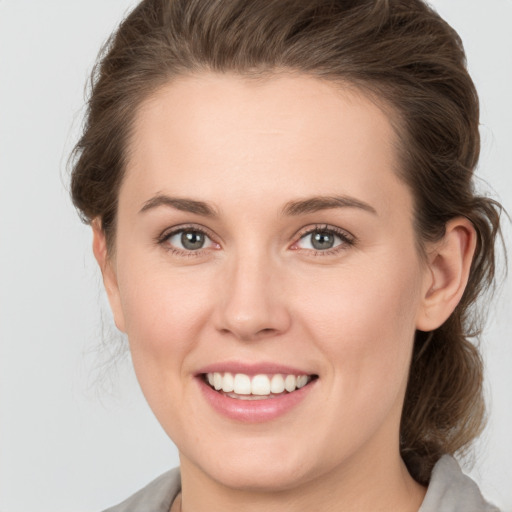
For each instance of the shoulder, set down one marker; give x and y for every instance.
(157, 496)
(450, 490)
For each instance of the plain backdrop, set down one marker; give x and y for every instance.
(75, 432)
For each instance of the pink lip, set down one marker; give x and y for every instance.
(251, 368)
(254, 411)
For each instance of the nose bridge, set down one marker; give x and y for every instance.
(251, 305)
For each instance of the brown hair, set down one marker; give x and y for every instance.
(400, 51)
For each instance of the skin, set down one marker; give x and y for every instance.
(257, 291)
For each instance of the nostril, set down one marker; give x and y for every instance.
(267, 331)
(248, 335)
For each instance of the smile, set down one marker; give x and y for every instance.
(258, 387)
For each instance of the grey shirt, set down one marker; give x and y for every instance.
(450, 490)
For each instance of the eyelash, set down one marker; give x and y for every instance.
(347, 239)
(166, 235)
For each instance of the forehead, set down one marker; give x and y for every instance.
(222, 136)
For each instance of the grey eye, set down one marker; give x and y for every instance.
(189, 240)
(320, 240)
(192, 240)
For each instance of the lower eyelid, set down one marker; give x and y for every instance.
(164, 241)
(168, 233)
(345, 240)
(344, 237)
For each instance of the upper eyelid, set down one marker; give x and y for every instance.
(168, 232)
(306, 230)
(163, 240)
(347, 241)
(326, 227)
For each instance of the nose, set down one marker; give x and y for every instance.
(252, 302)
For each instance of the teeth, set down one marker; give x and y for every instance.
(302, 380)
(259, 385)
(228, 383)
(290, 383)
(277, 384)
(242, 384)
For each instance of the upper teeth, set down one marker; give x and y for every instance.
(262, 384)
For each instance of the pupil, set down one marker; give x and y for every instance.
(192, 240)
(322, 240)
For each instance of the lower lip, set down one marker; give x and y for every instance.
(254, 411)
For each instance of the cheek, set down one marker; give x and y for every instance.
(165, 311)
(368, 329)
(365, 334)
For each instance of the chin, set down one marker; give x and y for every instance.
(255, 476)
(257, 465)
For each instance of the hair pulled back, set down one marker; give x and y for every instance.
(400, 52)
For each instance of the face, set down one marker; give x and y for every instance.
(265, 242)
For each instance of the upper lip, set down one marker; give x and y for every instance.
(252, 368)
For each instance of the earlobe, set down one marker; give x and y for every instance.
(100, 250)
(449, 263)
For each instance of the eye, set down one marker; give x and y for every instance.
(188, 240)
(324, 239)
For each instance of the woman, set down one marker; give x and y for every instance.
(283, 211)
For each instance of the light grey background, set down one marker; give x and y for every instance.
(71, 440)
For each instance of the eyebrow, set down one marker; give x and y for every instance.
(317, 203)
(292, 208)
(182, 204)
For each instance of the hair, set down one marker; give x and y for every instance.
(400, 52)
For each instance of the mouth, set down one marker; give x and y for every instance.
(241, 386)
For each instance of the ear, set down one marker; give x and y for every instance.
(449, 262)
(107, 266)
